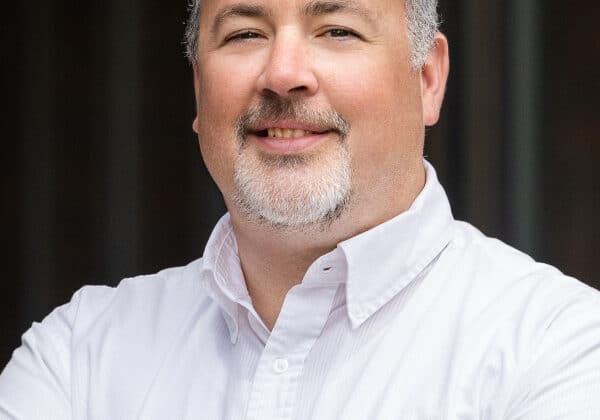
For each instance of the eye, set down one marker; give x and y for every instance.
(243, 36)
(341, 33)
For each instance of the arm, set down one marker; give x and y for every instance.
(563, 380)
(36, 383)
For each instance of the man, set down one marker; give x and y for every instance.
(338, 286)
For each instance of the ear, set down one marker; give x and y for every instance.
(434, 75)
(195, 126)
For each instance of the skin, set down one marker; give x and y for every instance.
(366, 78)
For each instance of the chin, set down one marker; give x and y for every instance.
(293, 190)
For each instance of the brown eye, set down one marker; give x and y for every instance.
(242, 36)
(340, 33)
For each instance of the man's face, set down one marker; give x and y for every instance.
(307, 107)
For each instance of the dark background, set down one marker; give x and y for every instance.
(103, 179)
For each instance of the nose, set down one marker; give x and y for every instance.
(289, 69)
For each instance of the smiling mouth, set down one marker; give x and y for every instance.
(279, 140)
(286, 133)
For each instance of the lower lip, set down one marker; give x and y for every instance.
(290, 145)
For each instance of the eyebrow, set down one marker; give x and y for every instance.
(240, 9)
(313, 8)
(327, 7)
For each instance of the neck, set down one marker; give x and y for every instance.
(274, 260)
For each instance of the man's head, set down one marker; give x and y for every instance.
(310, 108)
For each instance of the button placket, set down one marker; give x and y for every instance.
(275, 384)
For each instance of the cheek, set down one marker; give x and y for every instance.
(373, 91)
(222, 93)
(220, 101)
(381, 100)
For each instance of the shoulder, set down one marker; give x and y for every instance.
(491, 266)
(102, 331)
(502, 292)
(134, 301)
(167, 293)
(527, 319)
(164, 283)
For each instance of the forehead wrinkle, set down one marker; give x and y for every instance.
(238, 10)
(326, 7)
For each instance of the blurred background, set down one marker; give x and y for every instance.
(103, 178)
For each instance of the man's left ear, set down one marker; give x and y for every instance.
(434, 75)
(195, 125)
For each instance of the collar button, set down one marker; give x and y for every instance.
(358, 313)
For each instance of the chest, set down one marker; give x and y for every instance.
(398, 365)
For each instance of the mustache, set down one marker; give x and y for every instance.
(272, 108)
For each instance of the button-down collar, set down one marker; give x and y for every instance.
(375, 265)
(385, 259)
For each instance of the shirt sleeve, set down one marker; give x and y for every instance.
(563, 380)
(36, 383)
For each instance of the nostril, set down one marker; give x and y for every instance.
(299, 89)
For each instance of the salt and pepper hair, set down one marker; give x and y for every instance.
(422, 25)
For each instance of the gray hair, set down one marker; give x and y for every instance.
(423, 23)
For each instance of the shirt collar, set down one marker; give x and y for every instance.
(385, 259)
(378, 263)
(221, 275)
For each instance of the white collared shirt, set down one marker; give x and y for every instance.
(421, 317)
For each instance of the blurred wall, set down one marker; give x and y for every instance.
(103, 178)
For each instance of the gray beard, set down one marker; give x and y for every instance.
(296, 192)
(292, 191)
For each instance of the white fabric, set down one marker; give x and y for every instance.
(422, 317)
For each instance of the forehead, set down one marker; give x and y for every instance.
(369, 9)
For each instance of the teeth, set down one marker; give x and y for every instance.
(286, 133)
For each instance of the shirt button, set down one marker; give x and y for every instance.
(280, 365)
(358, 313)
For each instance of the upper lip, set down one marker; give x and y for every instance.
(288, 124)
